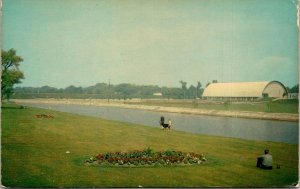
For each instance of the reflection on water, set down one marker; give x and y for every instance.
(254, 129)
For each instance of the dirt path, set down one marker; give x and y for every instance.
(119, 103)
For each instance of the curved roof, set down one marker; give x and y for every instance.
(241, 89)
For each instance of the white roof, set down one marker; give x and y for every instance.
(242, 89)
(157, 94)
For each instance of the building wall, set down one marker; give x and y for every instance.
(274, 90)
(245, 90)
(239, 89)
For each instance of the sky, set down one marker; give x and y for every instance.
(153, 42)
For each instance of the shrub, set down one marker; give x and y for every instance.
(161, 161)
(91, 160)
(100, 156)
(147, 157)
(148, 152)
(108, 155)
(169, 153)
(120, 162)
(195, 160)
(125, 160)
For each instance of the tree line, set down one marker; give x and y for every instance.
(11, 75)
(294, 89)
(110, 91)
(119, 91)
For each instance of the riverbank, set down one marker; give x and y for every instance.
(49, 151)
(195, 111)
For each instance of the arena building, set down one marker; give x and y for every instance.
(245, 90)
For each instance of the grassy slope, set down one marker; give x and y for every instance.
(290, 106)
(33, 154)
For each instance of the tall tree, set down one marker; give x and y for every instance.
(295, 89)
(11, 74)
(199, 85)
(192, 92)
(183, 87)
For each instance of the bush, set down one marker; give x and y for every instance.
(147, 157)
(148, 152)
(120, 162)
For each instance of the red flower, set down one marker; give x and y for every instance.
(100, 157)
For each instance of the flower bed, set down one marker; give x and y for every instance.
(147, 157)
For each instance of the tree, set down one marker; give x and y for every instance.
(215, 81)
(294, 89)
(183, 87)
(199, 85)
(192, 91)
(73, 90)
(10, 72)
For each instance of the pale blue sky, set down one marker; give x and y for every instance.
(83, 42)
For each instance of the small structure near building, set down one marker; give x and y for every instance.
(157, 94)
(293, 96)
(245, 91)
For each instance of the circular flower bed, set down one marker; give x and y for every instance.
(147, 157)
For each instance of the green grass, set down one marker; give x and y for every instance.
(33, 154)
(282, 106)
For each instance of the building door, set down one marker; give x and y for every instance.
(265, 95)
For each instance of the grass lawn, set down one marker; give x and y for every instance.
(281, 106)
(34, 154)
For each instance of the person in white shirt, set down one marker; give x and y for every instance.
(169, 124)
(265, 161)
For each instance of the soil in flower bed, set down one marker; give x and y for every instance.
(146, 157)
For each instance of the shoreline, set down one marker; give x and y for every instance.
(120, 104)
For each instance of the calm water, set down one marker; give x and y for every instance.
(264, 130)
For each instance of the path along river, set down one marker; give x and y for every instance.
(253, 129)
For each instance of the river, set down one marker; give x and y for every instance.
(252, 129)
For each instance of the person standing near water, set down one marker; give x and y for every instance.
(162, 121)
(169, 124)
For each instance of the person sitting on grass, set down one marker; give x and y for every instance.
(265, 161)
